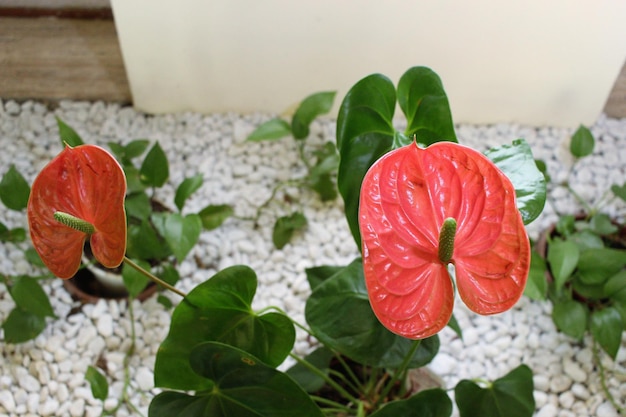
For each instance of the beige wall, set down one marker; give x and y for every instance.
(533, 61)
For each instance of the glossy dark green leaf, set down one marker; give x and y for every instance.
(543, 168)
(591, 292)
(30, 297)
(21, 326)
(134, 281)
(537, 284)
(219, 309)
(606, 327)
(68, 135)
(570, 317)
(563, 257)
(241, 386)
(423, 100)
(180, 232)
(517, 163)
(285, 227)
(307, 379)
(509, 396)
(168, 273)
(454, 325)
(33, 257)
(582, 142)
(596, 266)
(616, 283)
(143, 242)
(619, 191)
(340, 306)
(271, 130)
(429, 403)
(98, 383)
(135, 148)
(133, 182)
(154, 170)
(318, 274)
(14, 190)
(365, 132)
(586, 239)
(186, 189)
(212, 216)
(311, 107)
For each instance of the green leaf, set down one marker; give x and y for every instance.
(517, 163)
(14, 190)
(596, 266)
(365, 132)
(15, 235)
(285, 227)
(601, 224)
(138, 206)
(164, 301)
(429, 403)
(212, 216)
(154, 170)
(616, 283)
(565, 225)
(563, 257)
(21, 326)
(310, 108)
(143, 242)
(271, 130)
(219, 309)
(307, 379)
(33, 257)
(30, 297)
(340, 306)
(135, 148)
(134, 281)
(186, 189)
(168, 273)
(586, 239)
(570, 317)
(619, 191)
(543, 168)
(98, 383)
(509, 396)
(423, 100)
(68, 135)
(454, 325)
(318, 274)
(582, 142)
(537, 284)
(241, 386)
(606, 328)
(180, 232)
(322, 174)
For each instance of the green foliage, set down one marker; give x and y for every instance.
(14, 190)
(212, 216)
(68, 135)
(429, 403)
(321, 162)
(134, 281)
(582, 142)
(186, 189)
(154, 170)
(365, 129)
(509, 396)
(98, 383)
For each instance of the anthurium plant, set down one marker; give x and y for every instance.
(428, 214)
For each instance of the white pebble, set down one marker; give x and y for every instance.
(606, 410)
(548, 410)
(7, 401)
(144, 378)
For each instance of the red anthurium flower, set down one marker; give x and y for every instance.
(410, 200)
(82, 188)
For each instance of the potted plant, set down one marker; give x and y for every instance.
(579, 263)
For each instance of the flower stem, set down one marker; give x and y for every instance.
(400, 371)
(153, 277)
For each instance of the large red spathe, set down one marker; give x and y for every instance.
(88, 183)
(405, 198)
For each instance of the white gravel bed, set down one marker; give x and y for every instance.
(45, 377)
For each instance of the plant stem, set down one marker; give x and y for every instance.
(596, 356)
(326, 378)
(400, 371)
(153, 277)
(336, 406)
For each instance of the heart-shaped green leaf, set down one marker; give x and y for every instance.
(339, 306)
(616, 283)
(22, 325)
(154, 170)
(98, 383)
(30, 297)
(219, 310)
(186, 189)
(596, 266)
(582, 142)
(601, 224)
(138, 206)
(563, 257)
(311, 107)
(271, 130)
(180, 232)
(570, 317)
(429, 403)
(518, 164)
(606, 328)
(509, 396)
(285, 227)
(619, 191)
(144, 243)
(14, 190)
(241, 386)
(68, 135)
